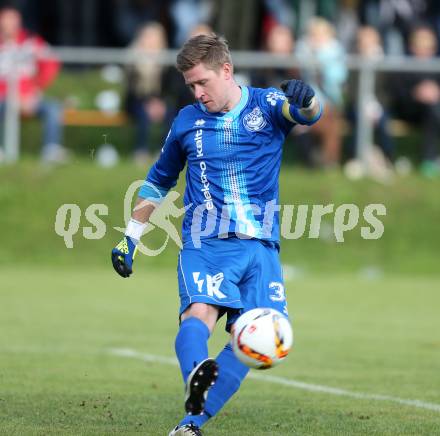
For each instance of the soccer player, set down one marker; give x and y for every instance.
(231, 141)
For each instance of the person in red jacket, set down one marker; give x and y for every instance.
(28, 57)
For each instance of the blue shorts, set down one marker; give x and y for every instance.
(234, 274)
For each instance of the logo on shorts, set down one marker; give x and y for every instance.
(254, 121)
(278, 293)
(212, 284)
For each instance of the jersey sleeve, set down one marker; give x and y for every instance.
(164, 173)
(272, 100)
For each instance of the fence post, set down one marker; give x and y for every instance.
(365, 128)
(11, 138)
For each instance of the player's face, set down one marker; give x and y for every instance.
(10, 23)
(211, 88)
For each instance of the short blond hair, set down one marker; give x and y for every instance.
(212, 50)
(322, 26)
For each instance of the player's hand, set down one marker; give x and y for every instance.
(298, 93)
(123, 255)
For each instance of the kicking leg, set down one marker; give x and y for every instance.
(231, 374)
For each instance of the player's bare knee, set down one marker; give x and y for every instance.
(205, 312)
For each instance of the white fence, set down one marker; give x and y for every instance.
(10, 64)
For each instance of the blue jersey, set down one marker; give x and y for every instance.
(233, 163)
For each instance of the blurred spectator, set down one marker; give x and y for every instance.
(281, 11)
(36, 69)
(307, 9)
(200, 29)
(144, 101)
(131, 15)
(417, 97)
(180, 94)
(187, 14)
(280, 42)
(347, 23)
(327, 76)
(394, 20)
(369, 46)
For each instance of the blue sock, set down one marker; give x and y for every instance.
(231, 374)
(198, 420)
(191, 344)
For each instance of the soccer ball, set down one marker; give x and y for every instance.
(262, 338)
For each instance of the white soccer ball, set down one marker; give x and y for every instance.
(262, 338)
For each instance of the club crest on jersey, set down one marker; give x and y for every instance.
(254, 121)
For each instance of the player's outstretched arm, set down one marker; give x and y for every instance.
(301, 105)
(124, 253)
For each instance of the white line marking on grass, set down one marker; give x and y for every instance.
(342, 392)
(127, 352)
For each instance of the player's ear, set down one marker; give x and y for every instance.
(228, 70)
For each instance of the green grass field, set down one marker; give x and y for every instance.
(30, 196)
(366, 317)
(59, 374)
